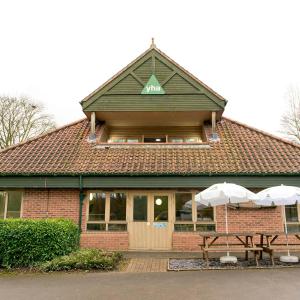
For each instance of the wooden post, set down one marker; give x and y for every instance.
(93, 123)
(213, 121)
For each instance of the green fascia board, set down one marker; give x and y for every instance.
(147, 55)
(194, 102)
(138, 182)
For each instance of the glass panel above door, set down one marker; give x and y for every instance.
(140, 208)
(161, 210)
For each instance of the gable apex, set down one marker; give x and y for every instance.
(172, 78)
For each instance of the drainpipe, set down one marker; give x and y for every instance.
(81, 198)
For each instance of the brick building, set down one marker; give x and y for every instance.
(153, 136)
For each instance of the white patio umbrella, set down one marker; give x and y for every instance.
(223, 194)
(281, 195)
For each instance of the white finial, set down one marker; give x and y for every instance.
(152, 43)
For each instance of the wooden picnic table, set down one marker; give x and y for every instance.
(269, 244)
(245, 243)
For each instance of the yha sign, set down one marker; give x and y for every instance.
(152, 87)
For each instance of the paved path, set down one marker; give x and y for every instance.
(142, 265)
(281, 284)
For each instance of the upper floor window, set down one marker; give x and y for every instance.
(10, 204)
(154, 139)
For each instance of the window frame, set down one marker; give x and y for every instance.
(106, 220)
(194, 221)
(289, 223)
(6, 203)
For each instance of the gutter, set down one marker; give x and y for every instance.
(81, 198)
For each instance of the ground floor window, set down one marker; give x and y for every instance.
(292, 218)
(191, 216)
(107, 212)
(110, 211)
(10, 204)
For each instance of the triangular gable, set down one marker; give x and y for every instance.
(172, 79)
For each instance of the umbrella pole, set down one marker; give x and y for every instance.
(226, 224)
(285, 229)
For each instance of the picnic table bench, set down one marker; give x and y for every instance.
(268, 239)
(244, 243)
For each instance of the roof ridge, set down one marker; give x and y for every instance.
(42, 135)
(263, 132)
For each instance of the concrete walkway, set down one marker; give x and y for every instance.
(283, 284)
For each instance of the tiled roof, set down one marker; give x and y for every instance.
(241, 150)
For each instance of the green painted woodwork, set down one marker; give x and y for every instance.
(153, 87)
(199, 102)
(173, 79)
(179, 85)
(129, 83)
(114, 182)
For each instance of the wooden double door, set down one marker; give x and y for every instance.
(150, 223)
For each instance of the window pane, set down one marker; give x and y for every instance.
(14, 204)
(140, 208)
(118, 206)
(97, 207)
(291, 213)
(293, 227)
(158, 139)
(95, 227)
(161, 208)
(117, 227)
(204, 213)
(176, 140)
(191, 140)
(132, 140)
(184, 227)
(118, 140)
(205, 227)
(2, 204)
(183, 206)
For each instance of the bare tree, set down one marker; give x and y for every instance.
(21, 119)
(290, 120)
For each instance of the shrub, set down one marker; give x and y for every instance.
(25, 242)
(84, 259)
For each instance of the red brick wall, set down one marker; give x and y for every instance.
(105, 240)
(59, 203)
(239, 220)
(65, 203)
(186, 241)
(249, 220)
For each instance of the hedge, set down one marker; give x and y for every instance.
(25, 242)
(84, 259)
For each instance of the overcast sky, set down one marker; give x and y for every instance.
(57, 52)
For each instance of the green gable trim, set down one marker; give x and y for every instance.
(173, 80)
(197, 102)
(153, 87)
(138, 182)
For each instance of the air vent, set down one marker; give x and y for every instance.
(214, 137)
(92, 138)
